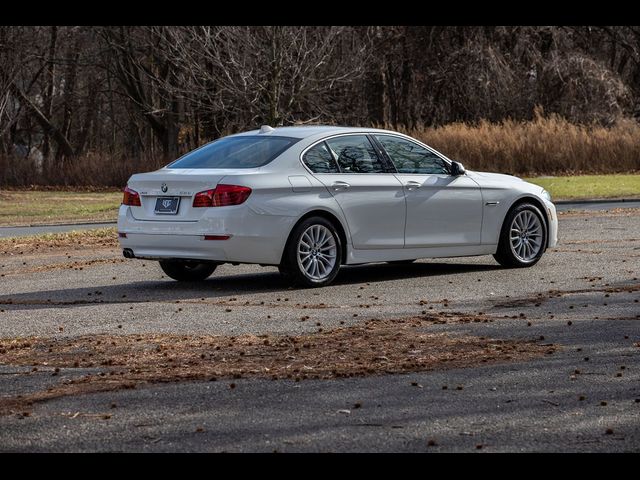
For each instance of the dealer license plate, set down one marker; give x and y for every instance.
(167, 205)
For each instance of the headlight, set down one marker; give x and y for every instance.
(546, 195)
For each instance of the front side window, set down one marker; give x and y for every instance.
(355, 154)
(409, 157)
(235, 152)
(320, 160)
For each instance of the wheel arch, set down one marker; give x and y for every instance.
(538, 203)
(342, 233)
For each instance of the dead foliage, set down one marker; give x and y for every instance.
(74, 265)
(371, 348)
(613, 212)
(80, 239)
(548, 144)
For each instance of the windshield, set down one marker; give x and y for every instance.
(235, 152)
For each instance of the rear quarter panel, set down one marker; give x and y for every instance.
(276, 202)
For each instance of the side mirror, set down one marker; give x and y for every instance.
(457, 169)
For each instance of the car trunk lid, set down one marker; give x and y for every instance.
(166, 185)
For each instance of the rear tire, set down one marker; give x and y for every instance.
(313, 254)
(523, 237)
(187, 271)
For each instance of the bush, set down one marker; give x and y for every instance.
(88, 170)
(544, 146)
(547, 145)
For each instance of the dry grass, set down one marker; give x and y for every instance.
(373, 347)
(30, 207)
(544, 146)
(82, 239)
(548, 145)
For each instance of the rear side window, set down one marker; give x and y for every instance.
(320, 160)
(409, 157)
(235, 152)
(355, 154)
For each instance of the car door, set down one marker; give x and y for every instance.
(369, 194)
(441, 209)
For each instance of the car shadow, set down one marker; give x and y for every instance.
(377, 272)
(222, 286)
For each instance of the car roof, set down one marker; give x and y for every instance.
(304, 131)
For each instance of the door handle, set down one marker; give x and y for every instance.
(411, 185)
(339, 185)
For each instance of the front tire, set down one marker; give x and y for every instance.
(186, 271)
(313, 254)
(523, 237)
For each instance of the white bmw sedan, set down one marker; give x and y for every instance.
(310, 199)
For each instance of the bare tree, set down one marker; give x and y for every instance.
(146, 94)
(276, 75)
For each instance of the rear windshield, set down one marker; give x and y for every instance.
(235, 152)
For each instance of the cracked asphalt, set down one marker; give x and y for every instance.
(583, 297)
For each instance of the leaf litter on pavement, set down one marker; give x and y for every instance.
(372, 347)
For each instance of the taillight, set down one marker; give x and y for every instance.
(131, 197)
(203, 199)
(222, 196)
(225, 195)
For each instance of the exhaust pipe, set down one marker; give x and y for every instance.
(128, 253)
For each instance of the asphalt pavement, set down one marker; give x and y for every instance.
(582, 296)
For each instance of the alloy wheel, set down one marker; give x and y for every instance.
(317, 252)
(526, 236)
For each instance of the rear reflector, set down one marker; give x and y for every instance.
(122, 235)
(222, 196)
(217, 237)
(131, 197)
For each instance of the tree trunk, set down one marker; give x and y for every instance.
(89, 120)
(69, 88)
(49, 90)
(273, 94)
(47, 127)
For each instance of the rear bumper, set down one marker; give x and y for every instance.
(159, 246)
(253, 238)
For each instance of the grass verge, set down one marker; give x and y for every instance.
(590, 186)
(42, 207)
(27, 207)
